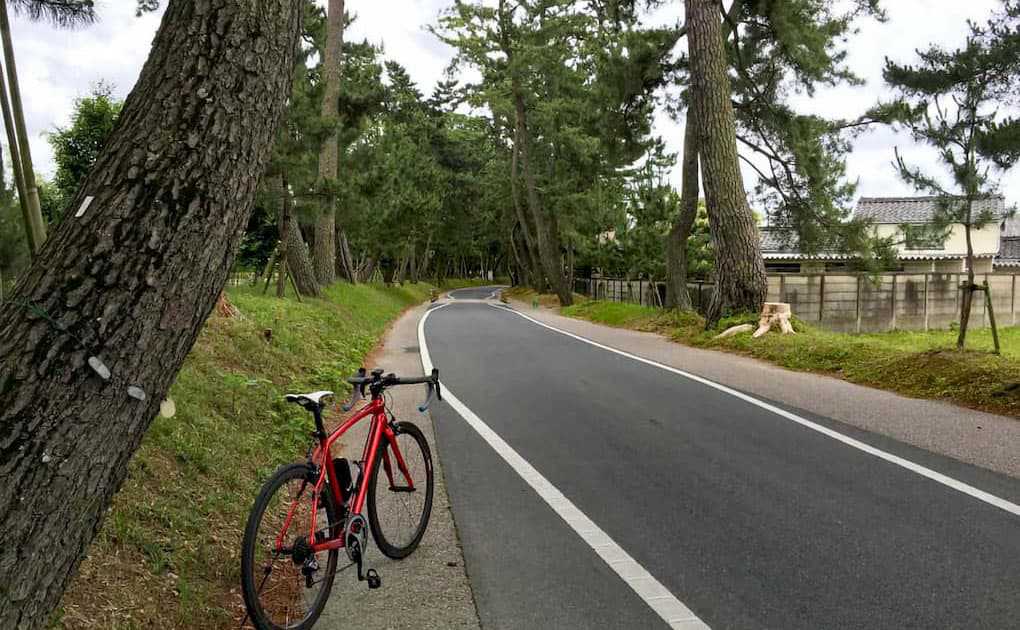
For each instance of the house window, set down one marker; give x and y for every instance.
(923, 237)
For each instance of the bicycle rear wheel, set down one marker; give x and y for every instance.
(275, 589)
(397, 513)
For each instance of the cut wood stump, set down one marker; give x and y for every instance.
(772, 314)
(735, 330)
(225, 309)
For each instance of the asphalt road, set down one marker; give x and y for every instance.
(748, 518)
(474, 293)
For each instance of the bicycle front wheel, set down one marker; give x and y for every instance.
(281, 591)
(399, 511)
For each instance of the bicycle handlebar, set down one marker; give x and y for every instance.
(379, 383)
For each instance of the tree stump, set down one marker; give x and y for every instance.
(224, 308)
(774, 313)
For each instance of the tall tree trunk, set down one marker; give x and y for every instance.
(531, 259)
(741, 283)
(423, 265)
(284, 228)
(29, 197)
(19, 178)
(345, 267)
(523, 276)
(324, 257)
(119, 295)
(366, 273)
(546, 228)
(299, 261)
(676, 242)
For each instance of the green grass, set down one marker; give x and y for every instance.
(918, 364)
(167, 555)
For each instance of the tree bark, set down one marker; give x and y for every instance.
(741, 283)
(546, 228)
(128, 284)
(531, 259)
(284, 229)
(345, 267)
(299, 262)
(31, 205)
(324, 257)
(676, 242)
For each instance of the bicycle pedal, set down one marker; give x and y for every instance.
(374, 581)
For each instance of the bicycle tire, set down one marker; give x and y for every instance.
(250, 573)
(391, 548)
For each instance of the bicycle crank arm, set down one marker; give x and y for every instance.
(402, 489)
(370, 576)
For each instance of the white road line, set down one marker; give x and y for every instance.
(945, 480)
(649, 589)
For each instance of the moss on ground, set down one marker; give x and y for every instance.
(168, 554)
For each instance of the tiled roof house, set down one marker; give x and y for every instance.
(997, 244)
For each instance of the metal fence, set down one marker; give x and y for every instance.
(850, 302)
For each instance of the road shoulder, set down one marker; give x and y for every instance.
(974, 437)
(430, 588)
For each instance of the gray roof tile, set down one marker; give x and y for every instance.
(1012, 226)
(1009, 249)
(915, 209)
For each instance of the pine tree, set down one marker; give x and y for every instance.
(75, 148)
(324, 248)
(950, 100)
(572, 84)
(100, 324)
(776, 50)
(740, 281)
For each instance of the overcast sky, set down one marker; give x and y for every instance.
(58, 66)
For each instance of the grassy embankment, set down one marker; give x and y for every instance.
(450, 284)
(167, 555)
(917, 364)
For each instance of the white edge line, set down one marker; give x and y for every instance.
(644, 585)
(945, 480)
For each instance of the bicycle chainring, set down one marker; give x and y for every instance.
(355, 533)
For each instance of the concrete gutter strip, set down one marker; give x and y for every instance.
(974, 437)
(429, 588)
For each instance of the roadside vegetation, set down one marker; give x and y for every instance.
(167, 553)
(452, 284)
(916, 364)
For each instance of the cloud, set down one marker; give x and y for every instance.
(56, 67)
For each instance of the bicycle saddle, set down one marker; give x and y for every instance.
(314, 398)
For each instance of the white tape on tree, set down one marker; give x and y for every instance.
(84, 206)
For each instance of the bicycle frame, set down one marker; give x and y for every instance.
(380, 430)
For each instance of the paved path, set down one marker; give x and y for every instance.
(475, 293)
(592, 490)
(429, 589)
(970, 436)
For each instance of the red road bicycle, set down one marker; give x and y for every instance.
(307, 512)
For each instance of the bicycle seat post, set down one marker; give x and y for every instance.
(320, 430)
